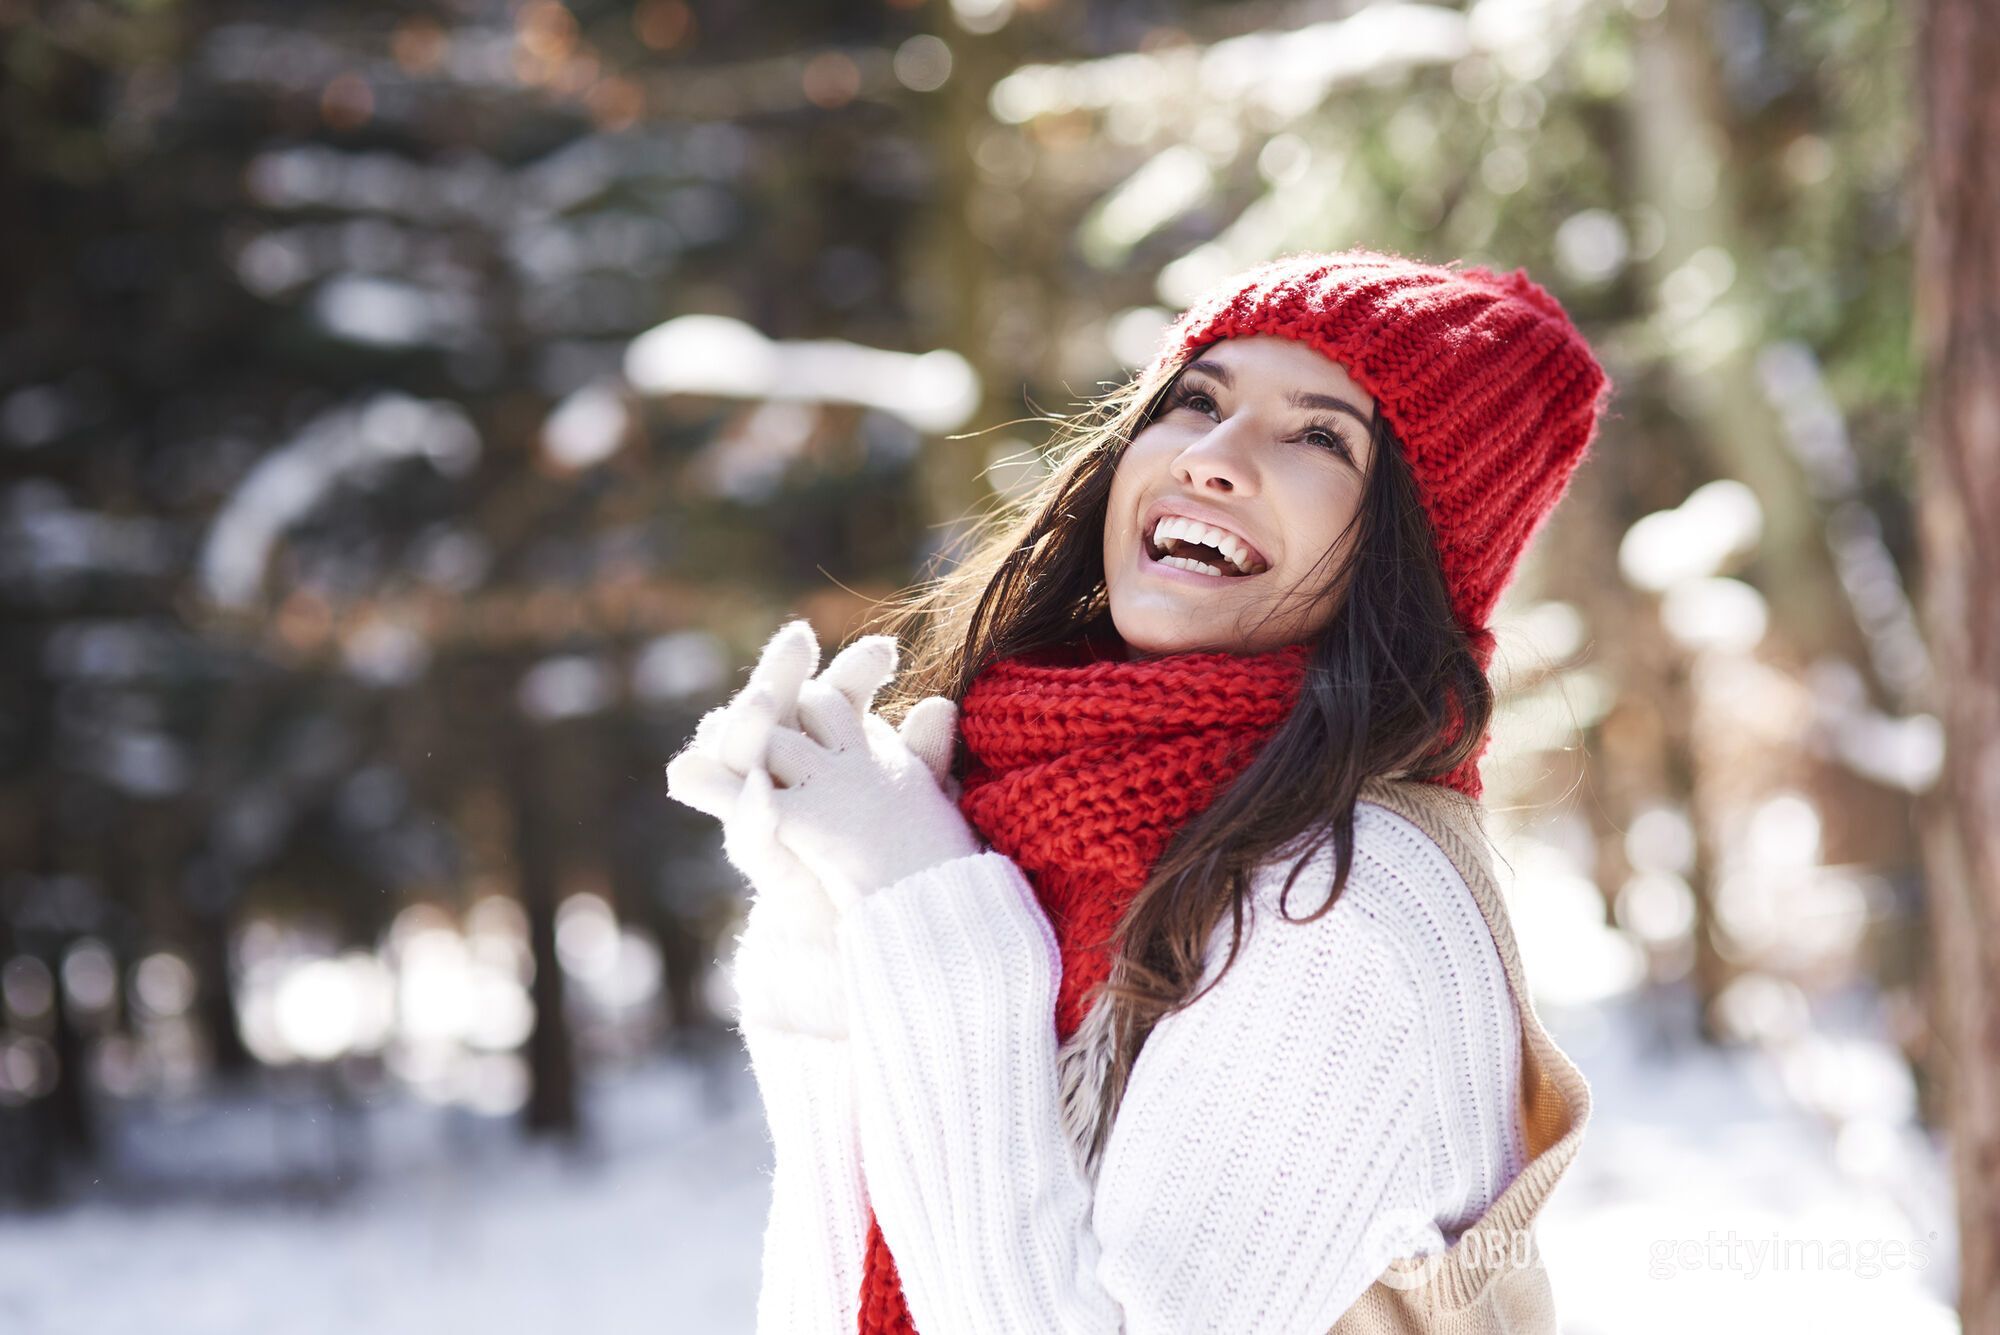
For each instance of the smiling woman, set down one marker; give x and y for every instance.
(1230, 507)
(1236, 641)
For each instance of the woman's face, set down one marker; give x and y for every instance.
(1267, 440)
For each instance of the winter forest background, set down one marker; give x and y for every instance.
(412, 417)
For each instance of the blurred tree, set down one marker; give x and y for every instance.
(351, 567)
(1958, 339)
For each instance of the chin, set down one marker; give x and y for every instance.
(1145, 639)
(1149, 635)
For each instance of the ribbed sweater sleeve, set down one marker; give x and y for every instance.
(816, 1231)
(1280, 1141)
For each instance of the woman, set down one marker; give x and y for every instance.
(1232, 653)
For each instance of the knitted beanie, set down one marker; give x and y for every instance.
(1492, 391)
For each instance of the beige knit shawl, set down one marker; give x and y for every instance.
(1491, 1281)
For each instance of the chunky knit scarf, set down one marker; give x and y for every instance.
(1083, 766)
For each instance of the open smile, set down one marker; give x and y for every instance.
(1177, 546)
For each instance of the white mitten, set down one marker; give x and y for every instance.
(865, 804)
(785, 969)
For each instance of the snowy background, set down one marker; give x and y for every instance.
(413, 417)
(457, 1228)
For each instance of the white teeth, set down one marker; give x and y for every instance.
(1187, 563)
(1188, 530)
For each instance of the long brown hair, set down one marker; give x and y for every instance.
(1391, 688)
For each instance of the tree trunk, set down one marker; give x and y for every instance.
(1675, 128)
(1957, 335)
(215, 1005)
(552, 1107)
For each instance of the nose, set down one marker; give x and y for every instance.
(1221, 460)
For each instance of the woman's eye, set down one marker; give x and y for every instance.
(1324, 437)
(1331, 440)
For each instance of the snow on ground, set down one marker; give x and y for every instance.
(1706, 1198)
(458, 1228)
(655, 1231)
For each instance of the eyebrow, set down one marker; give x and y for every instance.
(1298, 398)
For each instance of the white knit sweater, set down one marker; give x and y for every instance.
(1349, 1093)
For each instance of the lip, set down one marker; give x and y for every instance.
(1205, 514)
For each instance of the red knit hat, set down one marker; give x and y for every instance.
(1491, 389)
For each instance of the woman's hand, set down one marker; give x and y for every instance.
(862, 803)
(785, 966)
(721, 770)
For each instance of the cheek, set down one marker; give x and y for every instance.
(1118, 502)
(1316, 513)
(1136, 470)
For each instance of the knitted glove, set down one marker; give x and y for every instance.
(865, 804)
(785, 968)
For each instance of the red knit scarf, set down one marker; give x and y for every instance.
(1084, 765)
